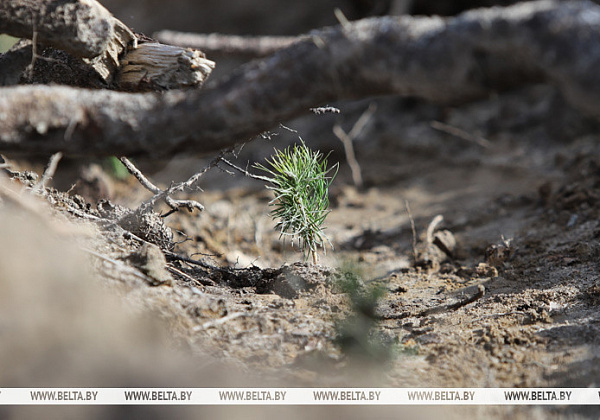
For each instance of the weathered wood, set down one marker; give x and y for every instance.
(107, 63)
(441, 60)
(120, 63)
(50, 65)
(91, 37)
(225, 45)
(153, 66)
(81, 27)
(149, 67)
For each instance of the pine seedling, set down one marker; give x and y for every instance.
(300, 181)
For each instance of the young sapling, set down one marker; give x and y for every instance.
(300, 181)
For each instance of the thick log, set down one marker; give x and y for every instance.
(110, 58)
(84, 38)
(82, 27)
(446, 61)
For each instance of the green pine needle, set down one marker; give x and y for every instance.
(300, 181)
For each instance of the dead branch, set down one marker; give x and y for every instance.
(181, 186)
(461, 134)
(175, 205)
(413, 230)
(106, 55)
(440, 308)
(440, 60)
(185, 276)
(245, 172)
(154, 66)
(435, 222)
(456, 305)
(228, 45)
(350, 155)
(347, 140)
(88, 36)
(48, 173)
(145, 182)
(83, 27)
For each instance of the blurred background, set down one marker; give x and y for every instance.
(271, 17)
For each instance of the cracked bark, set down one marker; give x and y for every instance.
(79, 43)
(82, 28)
(446, 61)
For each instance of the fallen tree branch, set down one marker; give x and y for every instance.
(347, 140)
(228, 45)
(175, 205)
(89, 35)
(85, 46)
(153, 66)
(83, 28)
(181, 186)
(48, 173)
(445, 61)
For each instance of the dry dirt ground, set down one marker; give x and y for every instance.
(501, 292)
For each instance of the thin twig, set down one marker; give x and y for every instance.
(412, 227)
(34, 54)
(85, 215)
(205, 280)
(432, 226)
(454, 306)
(228, 45)
(171, 202)
(462, 134)
(194, 178)
(121, 266)
(245, 171)
(133, 170)
(347, 140)
(184, 275)
(189, 184)
(350, 156)
(291, 130)
(189, 260)
(102, 257)
(441, 308)
(48, 173)
(342, 19)
(362, 121)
